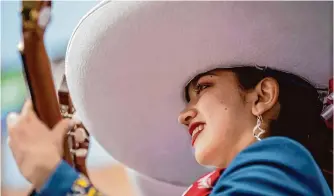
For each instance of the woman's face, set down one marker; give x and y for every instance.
(219, 115)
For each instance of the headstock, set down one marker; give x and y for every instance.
(36, 15)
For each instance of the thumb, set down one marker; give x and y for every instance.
(62, 128)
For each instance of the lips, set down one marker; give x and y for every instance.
(194, 130)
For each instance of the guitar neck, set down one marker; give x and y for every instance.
(37, 68)
(39, 79)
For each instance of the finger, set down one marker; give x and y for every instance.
(62, 128)
(16, 130)
(28, 109)
(12, 119)
(16, 149)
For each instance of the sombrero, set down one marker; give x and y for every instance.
(127, 64)
(147, 186)
(142, 185)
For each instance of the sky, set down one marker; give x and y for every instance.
(65, 16)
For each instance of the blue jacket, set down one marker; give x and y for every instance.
(273, 166)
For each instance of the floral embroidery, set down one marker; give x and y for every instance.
(83, 187)
(204, 185)
(205, 182)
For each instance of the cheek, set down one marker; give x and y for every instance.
(223, 129)
(214, 139)
(220, 115)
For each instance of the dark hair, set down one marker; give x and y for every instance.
(299, 117)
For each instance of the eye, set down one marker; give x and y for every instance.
(200, 87)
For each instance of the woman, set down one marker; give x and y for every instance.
(277, 99)
(259, 126)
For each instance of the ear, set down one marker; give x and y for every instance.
(266, 92)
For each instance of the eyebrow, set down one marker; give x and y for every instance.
(194, 82)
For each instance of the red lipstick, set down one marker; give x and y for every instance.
(192, 128)
(195, 137)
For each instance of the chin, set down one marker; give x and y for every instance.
(207, 156)
(204, 157)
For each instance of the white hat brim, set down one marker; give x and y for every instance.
(146, 186)
(128, 62)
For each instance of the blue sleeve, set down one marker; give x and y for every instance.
(66, 181)
(273, 166)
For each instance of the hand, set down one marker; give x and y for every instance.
(37, 150)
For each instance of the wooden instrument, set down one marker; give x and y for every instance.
(38, 73)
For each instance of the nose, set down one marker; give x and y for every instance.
(187, 115)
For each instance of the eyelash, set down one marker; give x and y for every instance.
(200, 87)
